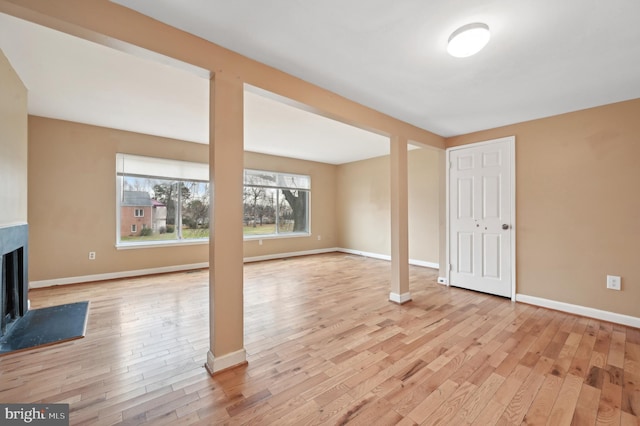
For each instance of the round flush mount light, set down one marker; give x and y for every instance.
(468, 40)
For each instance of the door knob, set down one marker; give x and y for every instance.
(505, 226)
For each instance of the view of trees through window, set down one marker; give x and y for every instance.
(275, 203)
(163, 200)
(171, 209)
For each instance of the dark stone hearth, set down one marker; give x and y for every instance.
(46, 326)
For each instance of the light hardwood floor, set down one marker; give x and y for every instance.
(325, 346)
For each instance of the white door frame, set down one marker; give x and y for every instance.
(511, 140)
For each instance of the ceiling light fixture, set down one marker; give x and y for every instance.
(468, 40)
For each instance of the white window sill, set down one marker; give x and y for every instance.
(166, 243)
(276, 236)
(174, 243)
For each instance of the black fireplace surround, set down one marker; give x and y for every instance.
(15, 283)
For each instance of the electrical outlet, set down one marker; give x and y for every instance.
(319, 237)
(92, 255)
(443, 280)
(259, 242)
(614, 282)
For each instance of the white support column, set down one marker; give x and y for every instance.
(226, 166)
(399, 221)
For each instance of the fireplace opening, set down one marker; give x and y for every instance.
(14, 284)
(11, 285)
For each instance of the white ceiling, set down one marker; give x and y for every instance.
(277, 126)
(544, 58)
(73, 79)
(77, 80)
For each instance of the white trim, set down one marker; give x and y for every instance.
(424, 264)
(414, 262)
(291, 254)
(447, 165)
(365, 254)
(161, 243)
(202, 265)
(225, 361)
(246, 238)
(580, 310)
(512, 148)
(164, 269)
(400, 298)
(116, 275)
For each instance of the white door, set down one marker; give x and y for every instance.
(481, 218)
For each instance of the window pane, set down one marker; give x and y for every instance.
(259, 210)
(141, 213)
(195, 210)
(153, 209)
(275, 203)
(292, 211)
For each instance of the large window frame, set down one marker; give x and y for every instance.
(276, 204)
(281, 202)
(143, 183)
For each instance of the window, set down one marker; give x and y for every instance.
(275, 203)
(161, 201)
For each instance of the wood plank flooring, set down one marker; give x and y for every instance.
(325, 346)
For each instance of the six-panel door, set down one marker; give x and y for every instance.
(480, 226)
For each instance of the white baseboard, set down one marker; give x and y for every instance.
(163, 269)
(116, 275)
(415, 262)
(580, 310)
(400, 298)
(290, 254)
(424, 264)
(233, 359)
(178, 268)
(364, 253)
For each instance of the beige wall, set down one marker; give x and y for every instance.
(578, 209)
(363, 205)
(323, 211)
(72, 198)
(13, 146)
(424, 204)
